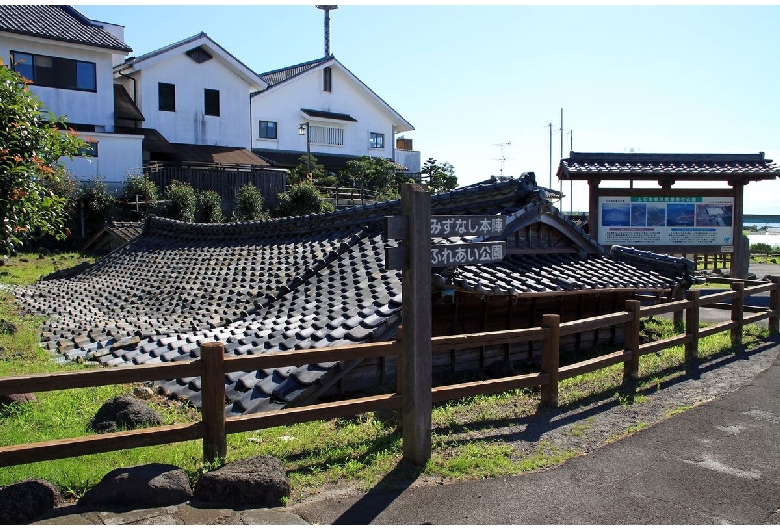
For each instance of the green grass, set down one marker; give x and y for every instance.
(365, 450)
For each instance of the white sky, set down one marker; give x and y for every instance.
(656, 79)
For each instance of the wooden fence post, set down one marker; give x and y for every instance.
(416, 317)
(631, 340)
(677, 316)
(692, 327)
(551, 359)
(737, 314)
(213, 396)
(399, 348)
(774, 305)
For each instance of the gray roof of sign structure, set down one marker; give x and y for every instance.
(287, 284)
(60, 23)
(672, 165)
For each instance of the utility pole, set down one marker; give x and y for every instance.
(571, 182)
(561, 129)
(327, 10)
(550, 126)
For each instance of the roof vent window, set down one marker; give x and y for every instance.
(199, 55)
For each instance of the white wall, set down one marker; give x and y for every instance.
(189, 124)
(284, 103)
(95, 108)
(117, 154)
(409, 159)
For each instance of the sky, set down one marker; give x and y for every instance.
(484, 86)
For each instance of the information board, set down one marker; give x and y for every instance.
(637, 221)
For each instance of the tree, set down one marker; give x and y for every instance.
(319, 176)
(377, 176)
(208, 207)
(302, 199)
(31, 146)
(139, 188)
(249, 204)
(96, 201)
(440, 177)
(181, 201)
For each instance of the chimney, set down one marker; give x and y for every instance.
(327, 10)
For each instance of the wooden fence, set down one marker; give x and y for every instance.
(225, 182)
(213, 365)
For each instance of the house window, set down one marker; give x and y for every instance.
(376, 140)
(166, 94)
(211, 97)
(56, 72)
(326, 135)
(327, 85)
(267, 130)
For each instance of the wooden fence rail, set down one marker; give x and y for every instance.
(213, 365)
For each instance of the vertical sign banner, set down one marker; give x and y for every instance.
(682, 221)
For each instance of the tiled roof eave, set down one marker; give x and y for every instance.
(124, 49)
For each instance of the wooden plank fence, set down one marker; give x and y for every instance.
(213, 365)
(225, 182)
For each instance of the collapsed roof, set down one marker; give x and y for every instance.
(305, 282)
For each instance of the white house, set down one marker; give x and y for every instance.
(69, 59)
(193, 93)
(321, 102)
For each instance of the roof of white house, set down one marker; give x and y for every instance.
(197, 44)
(59, 23)
(275, 78)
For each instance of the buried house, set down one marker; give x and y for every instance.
(320, 281)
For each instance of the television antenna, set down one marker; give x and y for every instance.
(502, 159)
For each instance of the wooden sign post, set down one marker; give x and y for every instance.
(415, 256)
(416, 318)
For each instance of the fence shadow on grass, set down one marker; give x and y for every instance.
(533, 427)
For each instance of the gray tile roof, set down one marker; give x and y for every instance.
(655, 165)
(275, 77)
(327, 114)
(60, 23)
(293, 283)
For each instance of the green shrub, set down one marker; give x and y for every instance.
(249, 204)
(760, 248)
(302, 199)
(140, 188)
(181, 205)
(208, 207)
(97, 202)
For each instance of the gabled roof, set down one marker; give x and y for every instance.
(183, 46)
(295, 283)
(124, 106)
(217, 155)
(275, 78)
(59, 23)
(153, 141)
(290, 159)
(679, 166)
